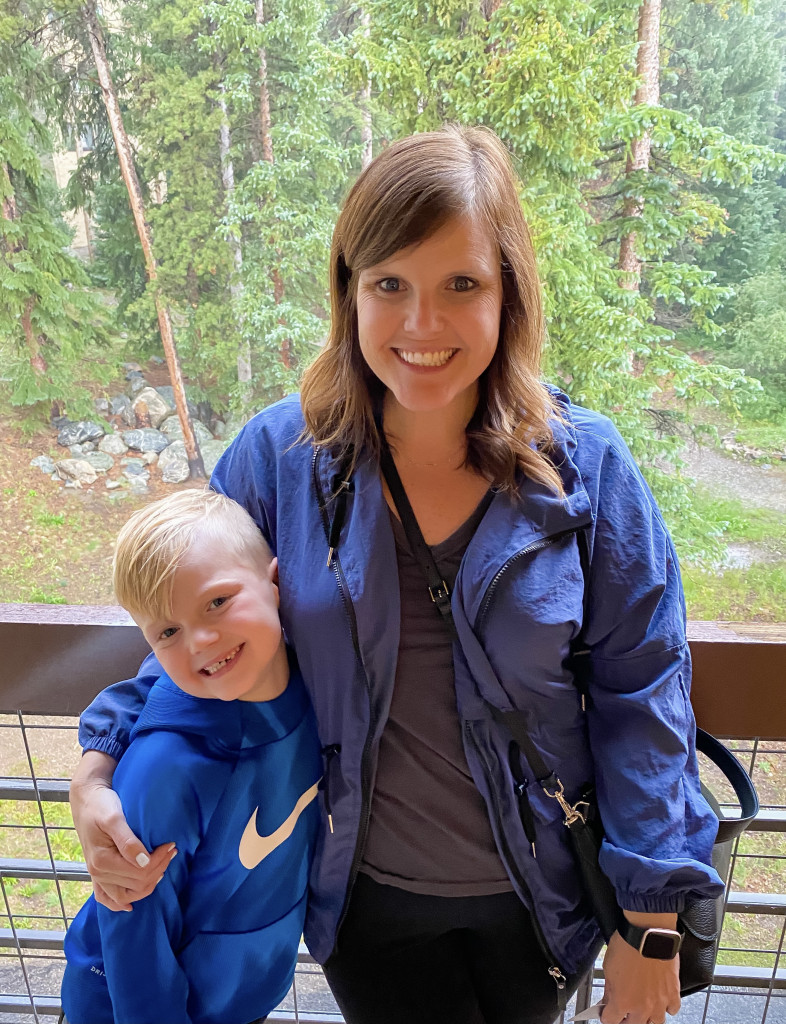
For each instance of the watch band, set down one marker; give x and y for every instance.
(652, 943)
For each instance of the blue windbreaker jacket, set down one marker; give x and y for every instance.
(517, 604)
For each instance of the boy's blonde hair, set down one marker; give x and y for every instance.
(152, 544)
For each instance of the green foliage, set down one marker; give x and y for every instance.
(242, 232)
(48, 315)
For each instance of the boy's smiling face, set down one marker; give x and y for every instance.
(223, 639)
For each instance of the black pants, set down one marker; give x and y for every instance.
(402, 958)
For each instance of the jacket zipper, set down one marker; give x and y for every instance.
(538, 545)
(555, 969)
(365, 760)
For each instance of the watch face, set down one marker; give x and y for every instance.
(661, 944)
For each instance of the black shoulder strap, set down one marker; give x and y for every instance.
(437, 587)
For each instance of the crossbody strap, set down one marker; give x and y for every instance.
(437, 587)
(515, 722)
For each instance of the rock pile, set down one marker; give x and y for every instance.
(143, 436)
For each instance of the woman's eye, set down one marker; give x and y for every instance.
(168, 633)
(463, 284)
(389, 284)
(218, 601)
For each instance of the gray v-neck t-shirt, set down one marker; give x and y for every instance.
(429, 831)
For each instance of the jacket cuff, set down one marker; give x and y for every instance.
(105, 745)
(649, 903)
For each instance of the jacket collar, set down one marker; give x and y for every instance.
(512, 523)
(515, 522)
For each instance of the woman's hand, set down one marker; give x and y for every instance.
(640, 990)
(121, 868)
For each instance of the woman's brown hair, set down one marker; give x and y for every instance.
(404, 196)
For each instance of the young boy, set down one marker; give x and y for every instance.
(224, 762)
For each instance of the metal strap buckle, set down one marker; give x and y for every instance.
(439, 593)
(572, 814)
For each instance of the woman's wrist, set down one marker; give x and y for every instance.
(645, 920)
(95, 769)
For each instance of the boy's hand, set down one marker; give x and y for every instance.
(121, 868)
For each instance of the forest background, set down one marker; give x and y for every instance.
(651, 150)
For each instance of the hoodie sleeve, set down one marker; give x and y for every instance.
(659, 829)
(168, 791)
(106, 724)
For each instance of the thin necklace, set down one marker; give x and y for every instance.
(461, 450)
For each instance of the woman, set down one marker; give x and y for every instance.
(443, 887)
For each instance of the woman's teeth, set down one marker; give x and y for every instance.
(427, 358)
(212, 669)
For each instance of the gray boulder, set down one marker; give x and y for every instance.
(120, 405)
(44, 463)
(173, 463)
(211, 453)
(171, 427)
(78, 433)
(101, 406)
(133, 467)
(167, 392)
(138, 484)
(145, 440)
(112, 444)
(75, 471)
(136, 384)
(100, 461)
(149, 402)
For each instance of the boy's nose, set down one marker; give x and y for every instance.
(202, 638)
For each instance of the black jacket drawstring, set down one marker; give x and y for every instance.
(329, 752)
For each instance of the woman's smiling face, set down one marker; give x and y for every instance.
(429, 316)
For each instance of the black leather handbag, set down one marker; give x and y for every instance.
(700, 922)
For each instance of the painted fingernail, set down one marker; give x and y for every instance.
(172, 857)
(159, 880)
(142, 860)
(171, 847)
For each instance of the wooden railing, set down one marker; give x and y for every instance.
(55, 659)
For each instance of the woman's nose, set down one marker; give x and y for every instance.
(423, 316)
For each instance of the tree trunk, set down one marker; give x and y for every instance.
(648, 92)
(236, 287)
(366, 129)
(131, 180)
(489, 8)
(263, 124)
(32, 340)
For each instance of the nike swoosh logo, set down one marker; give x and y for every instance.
(254, 847)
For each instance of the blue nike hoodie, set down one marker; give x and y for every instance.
(233, 785)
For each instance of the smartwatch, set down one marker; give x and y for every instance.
(652, 943)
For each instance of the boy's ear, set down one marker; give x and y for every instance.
(272, 571)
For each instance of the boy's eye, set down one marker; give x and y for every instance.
(218, 601)
(168, 633)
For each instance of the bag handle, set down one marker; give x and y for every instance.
(745, 791)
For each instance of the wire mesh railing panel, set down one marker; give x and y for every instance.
(44, 883)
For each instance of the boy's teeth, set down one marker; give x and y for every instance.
(427, 358)
(210, 669)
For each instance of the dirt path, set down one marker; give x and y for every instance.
(726, 476)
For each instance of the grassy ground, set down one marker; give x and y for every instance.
(752, 593)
